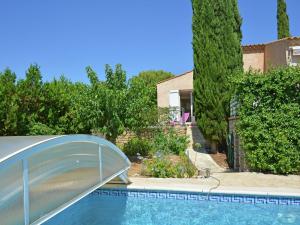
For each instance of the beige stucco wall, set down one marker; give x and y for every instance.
(254, 59)
(276, 53)
(257, 57)
(182, 82)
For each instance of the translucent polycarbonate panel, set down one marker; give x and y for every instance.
(111, 162)
(11, 195)
(12, 144)
(61, 173)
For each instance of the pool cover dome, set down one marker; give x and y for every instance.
(42, 175)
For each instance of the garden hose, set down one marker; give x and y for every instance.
(215, 187)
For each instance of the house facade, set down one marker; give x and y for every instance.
(177, 93)
(262, 57)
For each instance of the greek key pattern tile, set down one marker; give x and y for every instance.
(190, 196)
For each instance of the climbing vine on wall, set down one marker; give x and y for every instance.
(269, 124)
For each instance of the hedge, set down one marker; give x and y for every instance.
(269, 125)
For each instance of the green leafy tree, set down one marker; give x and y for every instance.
(142, 110)
(149, 79)
(217, 55)
(92, 75)
(31, 107)
(104, 105)
(283, 27)
(59, 96)
(30, 98)
(115, 80)
(74, 120)
(8, 104)
(115, 102)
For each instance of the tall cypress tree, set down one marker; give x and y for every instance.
(283, 27)
(217, 54)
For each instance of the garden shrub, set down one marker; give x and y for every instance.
(137, 146)
(160, 148)
(170, 142)
(269, 124)
(184, 168)
(41, 129)
(161, 166)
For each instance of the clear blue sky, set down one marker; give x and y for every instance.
(64, 36)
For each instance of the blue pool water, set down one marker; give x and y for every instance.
(119, 207)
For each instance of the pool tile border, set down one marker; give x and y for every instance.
(195, 196)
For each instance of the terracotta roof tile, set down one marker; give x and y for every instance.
(262, 45)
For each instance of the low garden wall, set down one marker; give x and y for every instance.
(127, 135)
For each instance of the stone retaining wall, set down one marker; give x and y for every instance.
(126, 136)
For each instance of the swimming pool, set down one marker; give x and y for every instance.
(149, 207)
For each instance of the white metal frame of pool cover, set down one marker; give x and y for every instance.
(42, 175)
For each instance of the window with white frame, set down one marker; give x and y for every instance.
(294, 55)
